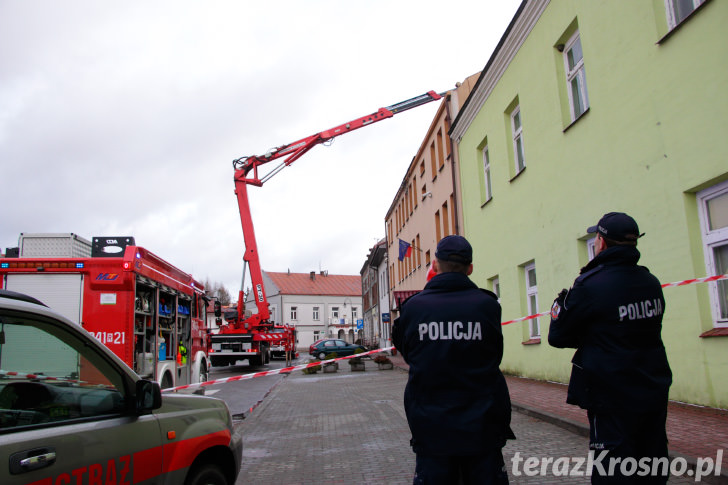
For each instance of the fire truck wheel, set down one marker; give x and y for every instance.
(167, 381)
(203, 373)
(209, 474)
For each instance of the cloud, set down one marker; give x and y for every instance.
(123, 119)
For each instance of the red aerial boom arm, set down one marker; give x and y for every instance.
(246, 173)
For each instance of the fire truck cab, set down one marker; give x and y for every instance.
(145, 310)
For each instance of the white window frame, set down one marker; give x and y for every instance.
(534, 328)
(315, 315)
(713, 238)
(294, 313)
(672, 18)
(335, 312)
(495, 284)
(486, 172)
(590, 247)
(519, 152)
(576, 73)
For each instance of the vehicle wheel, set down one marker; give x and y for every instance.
(322, 355)
(203, 377)
(167, 381)
(206, 475)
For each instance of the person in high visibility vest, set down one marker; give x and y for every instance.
(181, 355)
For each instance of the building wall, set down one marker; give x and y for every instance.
(651, 139)
(384, 329)
(426, 207)
(310, 329)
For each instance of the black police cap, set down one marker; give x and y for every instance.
(454, 248)
(618, 227)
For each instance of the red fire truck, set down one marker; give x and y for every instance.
(249, 336)
(148, 312)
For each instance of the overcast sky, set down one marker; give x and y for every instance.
(123, 118)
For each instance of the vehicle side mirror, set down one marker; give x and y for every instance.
(148, 396)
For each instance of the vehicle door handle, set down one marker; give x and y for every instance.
(29, 460)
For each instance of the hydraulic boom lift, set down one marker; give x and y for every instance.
(249, 338)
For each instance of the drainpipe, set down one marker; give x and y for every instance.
(448, 125)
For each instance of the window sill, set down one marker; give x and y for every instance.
(576, 120)
(517, 175)
(485, 203)
(532, 341)
(715, 332)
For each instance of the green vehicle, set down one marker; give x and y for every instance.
(73, 412)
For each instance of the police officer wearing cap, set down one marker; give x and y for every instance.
(620, 374)
(456, 399)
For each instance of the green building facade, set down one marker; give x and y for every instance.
(586, 108)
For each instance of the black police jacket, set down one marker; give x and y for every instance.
(456, 399)
(612, 315)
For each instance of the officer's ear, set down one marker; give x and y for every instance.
(470, 269)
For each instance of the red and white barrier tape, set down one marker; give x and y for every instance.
(40, 377)
(36, 377)
(284, 370)
(693, 281)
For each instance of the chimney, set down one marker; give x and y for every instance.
(313, 276)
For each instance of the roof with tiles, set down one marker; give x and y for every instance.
(316, 284)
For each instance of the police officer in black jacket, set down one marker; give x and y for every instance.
(620, 374)
(456, 399)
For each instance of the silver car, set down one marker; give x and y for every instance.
(72, 412)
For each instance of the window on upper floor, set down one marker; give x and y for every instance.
(575, 76)
(678, 10)
(433, 160)
(445, 220)
(487, 188)
(517, 135)
(713, 211)
(294, 313)
(316, 313)
(440, 151)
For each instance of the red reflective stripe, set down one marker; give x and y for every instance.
(181, 454)
(147, 464)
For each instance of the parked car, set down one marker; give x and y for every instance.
(72, 411)
(322, 348)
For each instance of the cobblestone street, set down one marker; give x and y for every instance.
(350, 427)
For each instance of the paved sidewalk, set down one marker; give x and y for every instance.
(693, 431)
